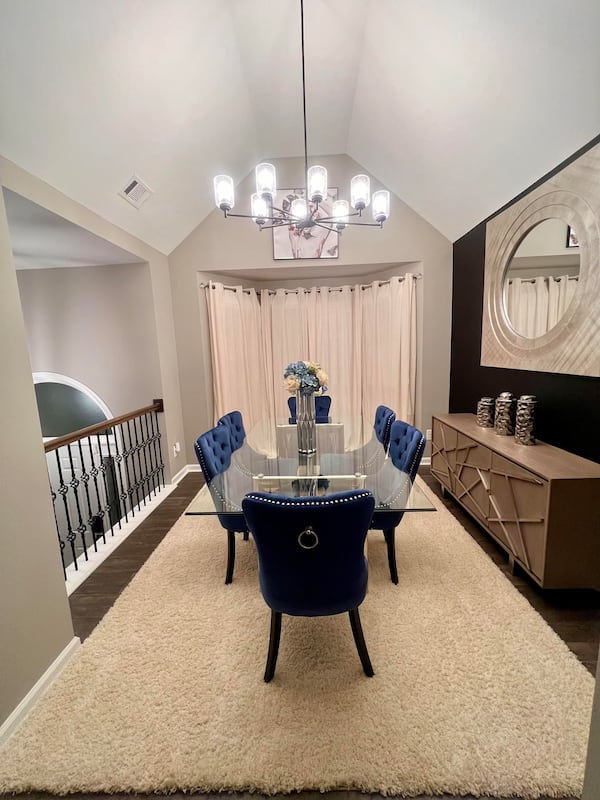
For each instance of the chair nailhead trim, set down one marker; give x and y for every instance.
(311, 503)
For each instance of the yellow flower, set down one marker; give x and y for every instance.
(292, 384)
(322, 377)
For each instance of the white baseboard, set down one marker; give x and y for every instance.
(13, 721)
(185, 471)
(75, 577)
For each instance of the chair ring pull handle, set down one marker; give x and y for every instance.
(308, 539)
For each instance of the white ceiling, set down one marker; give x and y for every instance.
(455, 106)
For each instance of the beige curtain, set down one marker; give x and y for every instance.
(237, 352)
(535, 305)
(364, 337)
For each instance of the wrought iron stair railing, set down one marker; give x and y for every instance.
(101, 476)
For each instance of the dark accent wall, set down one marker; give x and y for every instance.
(568, 408)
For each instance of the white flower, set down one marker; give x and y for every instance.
(322, 377)
(292, 384)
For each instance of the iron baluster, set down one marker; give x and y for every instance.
(161, 466)
(63, 490)
(74, 484)
(131, 453)
(142, 450)
(136, 451)
(85, 478)
(148, 447)
(94, 473)
(119, 457)
(60, 540)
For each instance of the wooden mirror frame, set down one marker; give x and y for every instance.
(572, 346)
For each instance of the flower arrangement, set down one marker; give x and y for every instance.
(305, 377)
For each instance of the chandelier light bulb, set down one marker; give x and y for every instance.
(339, 212)
(298, 208)
(260, 208)
(381, 205)
(360, 191)
(316, 183)
(224, 194)
(266, 183)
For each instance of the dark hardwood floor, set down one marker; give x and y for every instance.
(574, 615)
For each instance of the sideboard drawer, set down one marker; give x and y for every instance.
(472, 475)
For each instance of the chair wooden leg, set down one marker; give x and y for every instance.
(273, 645)
(390, 540)
(230, 556)
(359, 640)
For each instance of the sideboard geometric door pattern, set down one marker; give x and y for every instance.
(510, 501)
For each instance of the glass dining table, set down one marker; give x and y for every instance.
(282, 470)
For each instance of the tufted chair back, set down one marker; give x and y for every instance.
(237, 434)
(384, 417)
(406, 447)
(213, 451)
(311, 557)
(407, 444)
(322, 406)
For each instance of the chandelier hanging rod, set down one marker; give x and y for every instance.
(315, 188)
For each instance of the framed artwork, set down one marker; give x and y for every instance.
(315, 242)
(572, 240)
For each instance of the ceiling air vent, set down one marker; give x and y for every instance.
(136, 192)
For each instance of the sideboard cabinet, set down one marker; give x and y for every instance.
(540, 503)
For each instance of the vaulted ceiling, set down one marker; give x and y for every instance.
(455, 106)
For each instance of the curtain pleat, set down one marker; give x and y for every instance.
(535, 305)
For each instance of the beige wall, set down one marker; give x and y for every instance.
(406, 243)
(69, 312)
(35, 623)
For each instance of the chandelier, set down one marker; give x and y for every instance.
(299, 214)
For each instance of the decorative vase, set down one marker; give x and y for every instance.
(485, 412)
(305, 424)
(504, 417)
(525, 419)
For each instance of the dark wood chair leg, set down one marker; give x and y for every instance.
(246, 535)
(390, 540)
(273, 645)
(230, 556)
(359, 640)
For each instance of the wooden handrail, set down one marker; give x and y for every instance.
(100, 427)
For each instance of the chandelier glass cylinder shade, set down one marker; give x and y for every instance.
(308, 211)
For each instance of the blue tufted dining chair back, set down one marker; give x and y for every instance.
(384, 417)
(311, 558)
(213, 451)
(322, 406)
(406, 448)
(233, 421)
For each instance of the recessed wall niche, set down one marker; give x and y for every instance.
(572, 345)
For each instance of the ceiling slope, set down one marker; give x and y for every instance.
(456, 107)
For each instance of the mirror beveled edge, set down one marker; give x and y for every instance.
(572, 346)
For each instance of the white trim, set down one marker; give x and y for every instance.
(75, 577)
(426, 461)
(56, 377)
(185, 471)
(16, 717)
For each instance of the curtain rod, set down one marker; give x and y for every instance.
(545, 277)
(414, 275)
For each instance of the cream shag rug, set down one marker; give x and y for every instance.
(473, 692)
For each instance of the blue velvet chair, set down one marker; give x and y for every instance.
(406, 446)
(213, 451)
(311, 559)
(237, 434)
(322, 406)
(384, 417)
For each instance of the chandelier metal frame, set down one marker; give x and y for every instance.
(262, 202)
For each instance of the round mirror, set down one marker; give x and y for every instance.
(541, 278)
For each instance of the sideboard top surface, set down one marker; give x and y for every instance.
(545, 460)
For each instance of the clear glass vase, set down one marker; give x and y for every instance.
(305, 424)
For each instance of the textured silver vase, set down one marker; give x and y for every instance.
(504, 417)
(525, 419)
(305, 424)
(485, 412)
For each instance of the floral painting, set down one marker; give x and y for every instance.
(310, 242)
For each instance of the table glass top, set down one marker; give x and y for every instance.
(329, 470)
